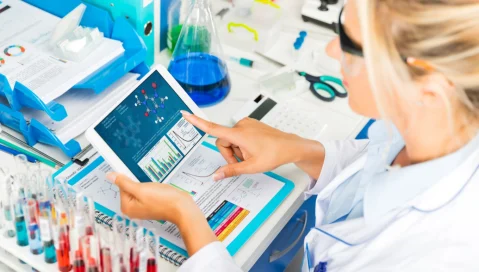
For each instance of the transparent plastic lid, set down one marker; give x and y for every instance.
(67, 24)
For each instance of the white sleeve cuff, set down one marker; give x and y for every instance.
(212, 257)
(327, 172)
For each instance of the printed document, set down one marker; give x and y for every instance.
(26, 56)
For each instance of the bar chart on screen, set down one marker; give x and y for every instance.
(184, 135)
(160, 160)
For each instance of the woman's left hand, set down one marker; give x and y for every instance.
(157, 201)
(151, 200)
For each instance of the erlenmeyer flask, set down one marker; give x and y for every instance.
(177, 13)
(197, 62)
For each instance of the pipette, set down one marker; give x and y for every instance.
(250, 63)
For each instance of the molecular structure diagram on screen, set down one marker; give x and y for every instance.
(127, 133)
(109, 189)
(156, 104)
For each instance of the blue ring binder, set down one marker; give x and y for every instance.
(133, 60)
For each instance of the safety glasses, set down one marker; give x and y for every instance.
(352, 57)
(347, 44)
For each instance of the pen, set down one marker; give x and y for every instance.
(14, 152)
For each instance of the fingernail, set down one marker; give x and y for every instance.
(185, 113)
(111, 176)
(218, 176)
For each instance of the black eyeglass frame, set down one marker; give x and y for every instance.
(347, 44)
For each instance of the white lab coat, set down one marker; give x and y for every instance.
(437, 231)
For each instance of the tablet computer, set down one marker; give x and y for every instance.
(144, 136)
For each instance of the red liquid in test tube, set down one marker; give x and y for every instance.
(151, 267)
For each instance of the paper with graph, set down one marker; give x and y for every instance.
(229, 205)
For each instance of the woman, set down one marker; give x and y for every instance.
(407, 199)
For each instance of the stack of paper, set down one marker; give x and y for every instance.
(83, 107)
(26, 57)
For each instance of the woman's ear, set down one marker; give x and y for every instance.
(435, 90)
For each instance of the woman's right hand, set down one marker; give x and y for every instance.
(260, 147)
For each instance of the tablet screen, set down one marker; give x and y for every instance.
(147, 131)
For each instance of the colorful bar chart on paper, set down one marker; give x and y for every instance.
(224, 219)
(160, 160)
(193, 193)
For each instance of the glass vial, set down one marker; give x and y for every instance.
(18, 210)
(33, 227)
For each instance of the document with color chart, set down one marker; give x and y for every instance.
(234, 207)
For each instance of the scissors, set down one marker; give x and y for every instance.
(322, 88)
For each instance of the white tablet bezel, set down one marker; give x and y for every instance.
(110, 156)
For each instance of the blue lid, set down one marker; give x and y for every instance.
(303, 34)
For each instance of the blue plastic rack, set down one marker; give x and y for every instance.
(20, 96)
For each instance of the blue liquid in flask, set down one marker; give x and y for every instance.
(203, 76)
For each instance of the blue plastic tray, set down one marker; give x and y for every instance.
(131, 61)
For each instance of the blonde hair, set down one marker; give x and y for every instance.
(442, 33)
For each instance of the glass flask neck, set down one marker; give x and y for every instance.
(199, 3)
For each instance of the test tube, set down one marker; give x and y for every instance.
(90, 228)
(140, 252)
(78, 263)
(133, 227)
(121, 262)
(105, 249)
(6, 201)
(62, 247)
(34, 238)
(77, 232)
(46, 231)
(91, 253)
(61, 229)
(153, 254)
(18, 206)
